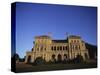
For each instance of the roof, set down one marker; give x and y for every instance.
(43, 36)
(60, 41)
(74, 36)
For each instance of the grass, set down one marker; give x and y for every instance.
(22, 67)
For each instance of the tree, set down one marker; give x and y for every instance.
(39, 61)
(15, 57)
(92, 49)
(79, 59)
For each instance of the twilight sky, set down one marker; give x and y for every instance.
(39, 19)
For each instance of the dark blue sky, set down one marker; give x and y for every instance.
(39, 19)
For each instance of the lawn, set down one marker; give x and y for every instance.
(22, 67)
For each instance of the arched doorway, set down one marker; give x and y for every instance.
(53, 58)
(65, 56)
(39, 61)
(29, 59)
(59, 58)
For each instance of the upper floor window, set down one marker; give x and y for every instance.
(82, 44)
(66, 47)
(74, 41)
(63, 48)
(44, 48)
(71, 41)
(52, 48)
(41, 47)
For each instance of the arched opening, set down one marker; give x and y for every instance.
(65, 56)
(39, 61)
(52, 48)
(79, 59)
(59, 58)
(29, 59)
(53, 58)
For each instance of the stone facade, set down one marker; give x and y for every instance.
(49, 49)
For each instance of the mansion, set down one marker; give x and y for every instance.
(49, 49)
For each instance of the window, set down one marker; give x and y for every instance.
(55, 48)
(52, 48)
(82, 44)
(74, 41)
(41, 47)
(66, 47)
(44, 48)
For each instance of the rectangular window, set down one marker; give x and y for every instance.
(66, 47)
(63, 48)
(60, 48)
(52, 48)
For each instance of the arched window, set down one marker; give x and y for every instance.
(59, 58)
(53, 56)
(63, 48)
(41, 48)
(54, 47)
(45, 48)
(66, 48)
(74, 41)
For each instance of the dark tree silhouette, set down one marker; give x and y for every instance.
(15, 57)
(92, 50)
(39, 61)
(79, 59)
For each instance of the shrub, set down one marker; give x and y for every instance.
(39, 61)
